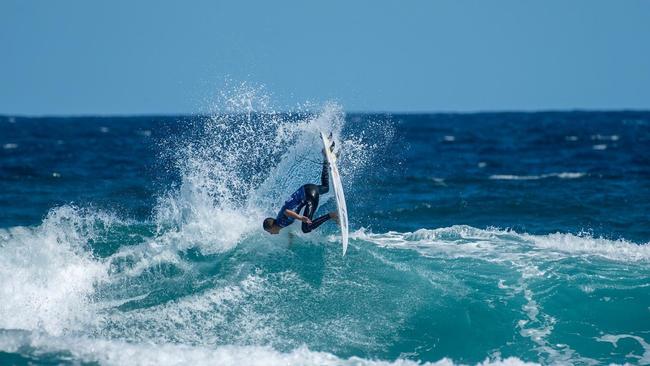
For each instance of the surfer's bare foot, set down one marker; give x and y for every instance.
(334, 215)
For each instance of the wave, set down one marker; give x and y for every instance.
(605, 137)
(563, 175)
(466, 240)
(74, 272)
(245, 311)
(48, 273)
(533, 268)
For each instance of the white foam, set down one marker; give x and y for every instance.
(613, 339)
(576, 245)
(600, 147)
(538, 326)
(570, 175)
(9, 146)
(439, 181)
(217, 316)
(462, 240)
(605, 137)
(114, 352)
(562, 175)
(46, 274)
(514, 177)
(190, 218)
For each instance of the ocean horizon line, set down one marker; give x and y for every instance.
(352, 112)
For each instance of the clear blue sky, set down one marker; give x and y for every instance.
(140, 57)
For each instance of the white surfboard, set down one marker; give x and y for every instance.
(338, 192)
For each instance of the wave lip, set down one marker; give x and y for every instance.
(463, 240)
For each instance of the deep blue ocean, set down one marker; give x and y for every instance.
(503, 238)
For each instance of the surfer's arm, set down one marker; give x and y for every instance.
(297, 216)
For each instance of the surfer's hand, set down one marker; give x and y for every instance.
(334, 215)
(306, 220)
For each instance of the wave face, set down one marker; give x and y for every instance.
(138, 241)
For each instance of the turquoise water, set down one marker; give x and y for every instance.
(497, 238)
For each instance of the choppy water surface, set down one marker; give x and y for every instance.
(504, 238)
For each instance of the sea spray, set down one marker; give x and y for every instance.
(241, 162)
(49, 273)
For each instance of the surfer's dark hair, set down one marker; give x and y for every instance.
(268, 223)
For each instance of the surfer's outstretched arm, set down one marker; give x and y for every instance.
(308, 227)
(297, 216)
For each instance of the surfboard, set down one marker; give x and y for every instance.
(338, 192)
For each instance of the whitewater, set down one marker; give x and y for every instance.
(194, 279)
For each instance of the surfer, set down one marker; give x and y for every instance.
(307, 197)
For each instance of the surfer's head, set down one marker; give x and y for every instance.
(270, 226)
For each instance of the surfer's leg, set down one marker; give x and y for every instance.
(310, 209)
(324, 178)
(325, 173)
(311, 196)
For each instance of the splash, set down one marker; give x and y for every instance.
(49, 274)
(235, 165)
(243, 160)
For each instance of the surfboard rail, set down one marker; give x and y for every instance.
(337, 186)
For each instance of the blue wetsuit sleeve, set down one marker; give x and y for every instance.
(294, 203)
